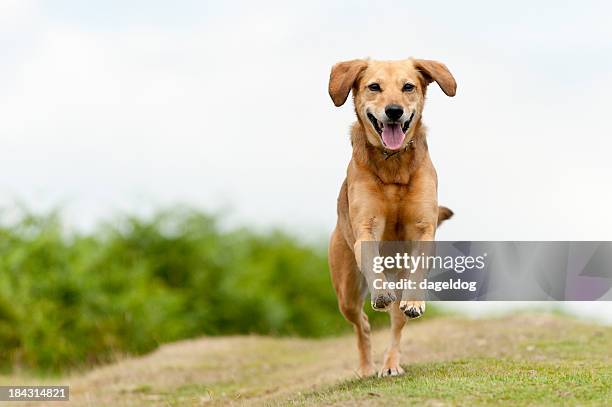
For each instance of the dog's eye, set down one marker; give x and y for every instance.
(408, 87)
(374, 87)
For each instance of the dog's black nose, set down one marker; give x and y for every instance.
(394, 112)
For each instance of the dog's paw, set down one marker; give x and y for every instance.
(412, 309)
(382, 300)
(366, 371)
(391, 369)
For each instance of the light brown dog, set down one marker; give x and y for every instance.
(390, 191)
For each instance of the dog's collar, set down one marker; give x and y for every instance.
(389, 154)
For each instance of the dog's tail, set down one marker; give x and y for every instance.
(443, 214)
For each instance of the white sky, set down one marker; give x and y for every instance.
(131, 105)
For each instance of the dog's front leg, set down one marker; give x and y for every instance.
(421, 233)
(371, 229)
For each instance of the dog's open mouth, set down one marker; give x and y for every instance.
(392, 134)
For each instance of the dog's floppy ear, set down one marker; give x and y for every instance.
(342, 78)
(437, 71)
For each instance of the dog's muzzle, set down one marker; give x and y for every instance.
(392, 133)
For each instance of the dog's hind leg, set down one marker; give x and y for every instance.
(391, 364)
(351, 291)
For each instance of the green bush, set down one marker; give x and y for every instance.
(70, 300)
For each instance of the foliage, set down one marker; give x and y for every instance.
(69, 299)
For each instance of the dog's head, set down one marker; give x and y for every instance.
(389, 95)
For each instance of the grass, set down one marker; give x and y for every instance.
(521, 360)
(478, 381)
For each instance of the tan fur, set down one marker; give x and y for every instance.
(387, 195)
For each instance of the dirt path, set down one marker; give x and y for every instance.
(263, 370)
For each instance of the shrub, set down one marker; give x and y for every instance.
(69, 299)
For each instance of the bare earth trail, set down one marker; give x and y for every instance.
(519, 360)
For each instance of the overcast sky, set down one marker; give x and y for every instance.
(131, 105)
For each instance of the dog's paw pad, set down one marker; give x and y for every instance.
(366, 371)
(382, 301)
(395, 370)
(412, 309)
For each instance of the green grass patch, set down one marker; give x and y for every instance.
(574, 370)
(484, 381)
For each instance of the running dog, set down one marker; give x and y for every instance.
(390, 190)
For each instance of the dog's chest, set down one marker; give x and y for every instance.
(396, 203)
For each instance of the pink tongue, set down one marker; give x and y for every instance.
(393, 136)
